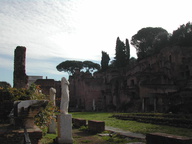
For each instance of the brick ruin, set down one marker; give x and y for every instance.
(20, 79)
(160, 83)
(46, 84)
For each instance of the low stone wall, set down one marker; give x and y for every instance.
(78, 122)
(96, 126)
(162, 138)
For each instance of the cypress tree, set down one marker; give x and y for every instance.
(127, 50)
(120, 58)
(104, 61)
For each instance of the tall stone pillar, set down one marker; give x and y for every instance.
(20, 79)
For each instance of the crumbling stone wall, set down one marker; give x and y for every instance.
(149, 86)
(20, 78)
(46, 84)
(85, 92)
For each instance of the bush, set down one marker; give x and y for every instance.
(9, 95)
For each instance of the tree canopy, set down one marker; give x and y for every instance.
(146, 39)
(71, 65)
(182, 36)
(90, 66)
(4, 84)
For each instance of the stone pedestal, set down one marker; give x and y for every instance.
(65, 129)
(52, 127)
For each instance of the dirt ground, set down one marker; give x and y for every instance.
(81, 137)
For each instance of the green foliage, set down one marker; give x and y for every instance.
(13, 94)
(130, 125)
(44, 118)
(182, 36)
(71, 66)
(86, 141)
(4, 84)
(90, 66)
(160, 41)
(146, 39)
(104, 61)
(35, 93)
(83, 128)
(115, 139)
(120, 55)
(127, 50)
(48, 138)
(132, 62)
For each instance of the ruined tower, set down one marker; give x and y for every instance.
(20, 78)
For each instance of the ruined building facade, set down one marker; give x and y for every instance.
(20, 79)
(160, 83)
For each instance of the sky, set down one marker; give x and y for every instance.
(57, 30)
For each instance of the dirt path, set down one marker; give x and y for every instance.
(88, 138)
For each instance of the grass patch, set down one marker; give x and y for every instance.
(48, 138)
(115, 139)
(77, 137)
(132, 126)
(86, 141)
(83, 128)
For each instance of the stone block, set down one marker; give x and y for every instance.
(65, 129)
(79, 122)
(96, 126)
(52, 127)
(162, 138)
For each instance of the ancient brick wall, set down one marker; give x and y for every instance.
(148, 86)
(46, 84)
(20, 78)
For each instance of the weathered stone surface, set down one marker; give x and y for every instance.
(96, 126)
(64, 96)
(52, 125)
(25, 111)
(46, 84)
(65, 129)
(20, 78)
(149, 84)
(78, 122)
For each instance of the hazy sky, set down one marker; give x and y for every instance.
(57, 30)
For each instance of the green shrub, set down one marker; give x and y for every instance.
(83, 128)
(43, 118)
